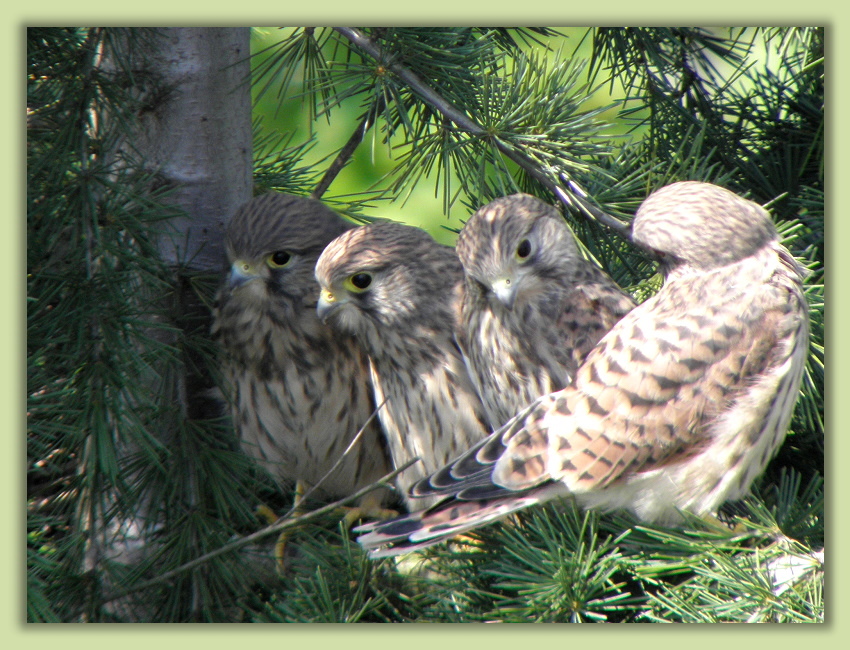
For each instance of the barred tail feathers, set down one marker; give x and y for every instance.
(445, 520)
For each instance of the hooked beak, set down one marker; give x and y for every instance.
(505, 290)
(241, 273)
(327, 304)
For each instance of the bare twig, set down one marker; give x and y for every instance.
(279, 525)
(347, 451)
(568, 196)
(349, 148)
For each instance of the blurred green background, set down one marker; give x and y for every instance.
(372, 161)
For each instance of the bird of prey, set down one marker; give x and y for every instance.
(299, 391)
(395, 289)
(532, 306)
(678, 408)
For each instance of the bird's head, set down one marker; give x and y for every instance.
(385, 275)
(273, 243)
(513, 245)
(701, 226)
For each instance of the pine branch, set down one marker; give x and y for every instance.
(568, 196)
(280, 525)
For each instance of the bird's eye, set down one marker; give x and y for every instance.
(279, 259)
(359, 282)
(523, 250)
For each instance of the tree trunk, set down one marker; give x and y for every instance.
(195, 136)
(198, 135)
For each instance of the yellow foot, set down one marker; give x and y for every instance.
(465, 539)
(366, 512)
(280, 554)
(262, 511)
(268, 515)
(369, 507)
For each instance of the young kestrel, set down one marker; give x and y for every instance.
(532, 306)
(395, 289)
(299, 391)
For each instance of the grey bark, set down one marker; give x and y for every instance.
(198, 135)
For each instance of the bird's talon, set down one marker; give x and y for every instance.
(262, 511)
(354, 514)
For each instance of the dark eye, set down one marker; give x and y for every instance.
(279, 259)
(524, 249)
(359, 282)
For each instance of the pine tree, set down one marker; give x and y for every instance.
(475, 113)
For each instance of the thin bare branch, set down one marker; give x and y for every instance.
(280, 525)
(349, 148)
(342, 457)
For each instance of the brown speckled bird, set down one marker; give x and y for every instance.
(532, 306)
(300, 392)
(395, 289)
(679, 407)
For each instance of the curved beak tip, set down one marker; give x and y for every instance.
(505, 292)
(326, 304)
(240, 274)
